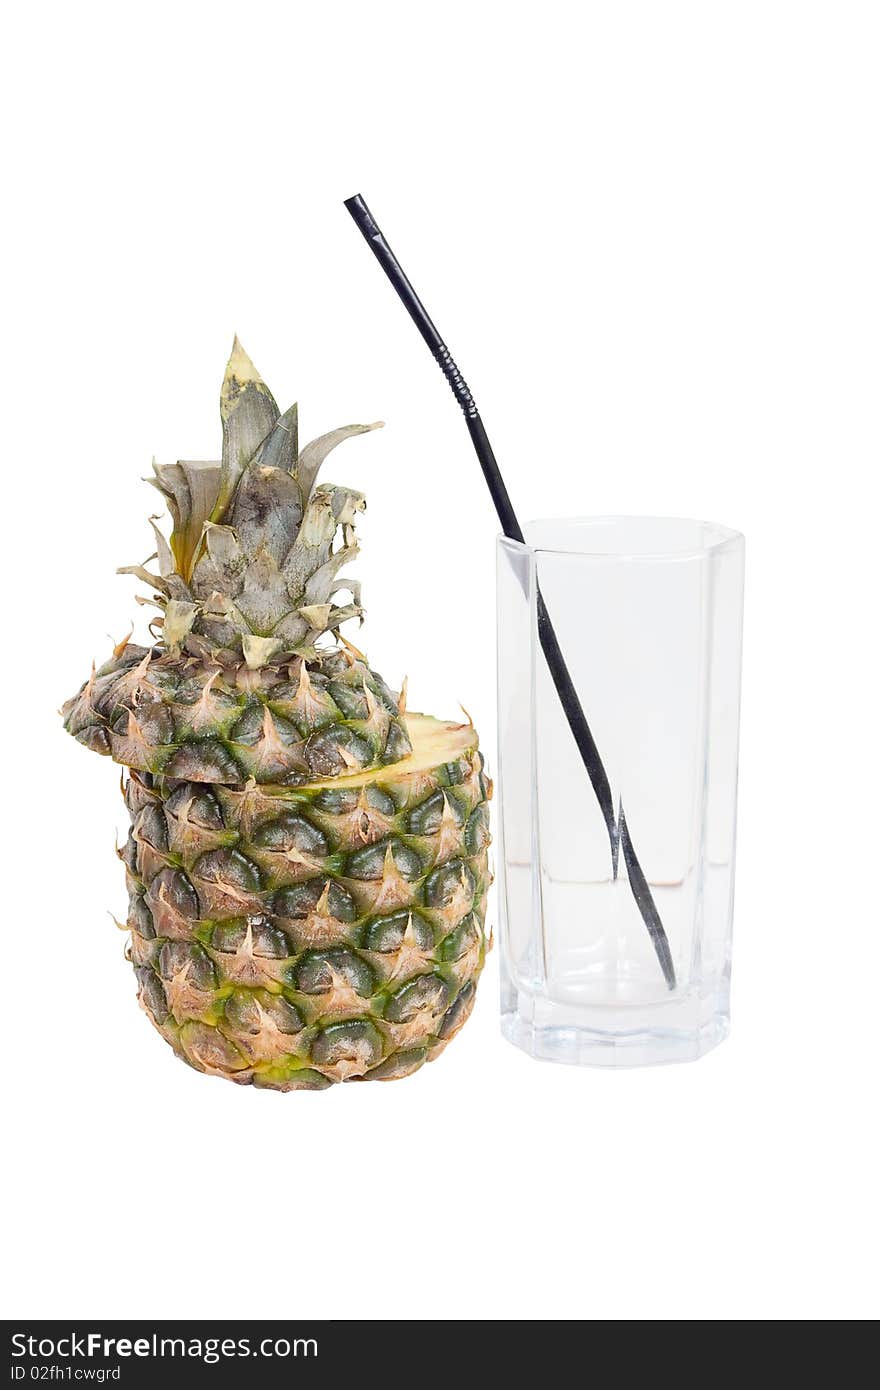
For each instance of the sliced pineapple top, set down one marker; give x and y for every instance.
(243, 681)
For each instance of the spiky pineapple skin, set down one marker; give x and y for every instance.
(185, 718)
(292, 937)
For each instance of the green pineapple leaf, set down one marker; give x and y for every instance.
(280, 447)
(314, 454)
(248, 412)
(191, 490)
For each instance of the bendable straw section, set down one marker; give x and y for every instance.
(618, 832)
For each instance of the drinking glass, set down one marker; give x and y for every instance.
(647, 612)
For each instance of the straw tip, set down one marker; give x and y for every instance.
(361, 215)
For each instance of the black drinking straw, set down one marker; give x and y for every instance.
(618, 831)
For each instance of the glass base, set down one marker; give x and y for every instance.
(681, 1030)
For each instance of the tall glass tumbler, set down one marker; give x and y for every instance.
(648, 615)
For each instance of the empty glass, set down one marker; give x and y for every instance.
(648, 615)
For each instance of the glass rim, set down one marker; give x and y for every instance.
(725, 538)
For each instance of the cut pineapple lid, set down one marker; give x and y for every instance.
(290, 724)
(250, 676)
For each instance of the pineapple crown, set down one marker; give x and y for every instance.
(251, 567)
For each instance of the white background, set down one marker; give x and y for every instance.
(651, 235)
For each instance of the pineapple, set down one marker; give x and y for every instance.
(307, 862)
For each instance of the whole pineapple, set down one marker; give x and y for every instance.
(307, 863)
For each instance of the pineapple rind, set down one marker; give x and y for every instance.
(296, 937)
(175, 716)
